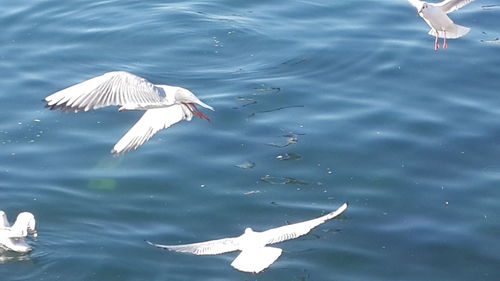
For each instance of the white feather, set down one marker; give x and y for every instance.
(152, 121)
(112, 88)
(12, 237)
(416, 3)
(435, 15)
(256, 260)
(131, 92)
(295, 230)
(255, 256)
(449, 6)
(4, 223)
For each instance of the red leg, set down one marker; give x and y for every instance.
(197, 112)
(445, 45)
(436, 43)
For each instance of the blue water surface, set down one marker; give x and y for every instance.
(333, 101)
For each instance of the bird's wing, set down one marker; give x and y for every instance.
(295, 230)
(112, 88)
(449, 6)
(256, 259)
(3, 220)
(416, 3)
(152, 121)
(17, 244)
(213, 247)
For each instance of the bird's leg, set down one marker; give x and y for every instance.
(445, 45)
(436, 43)
(192, 107)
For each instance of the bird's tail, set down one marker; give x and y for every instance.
(256, 260)
(453, 31)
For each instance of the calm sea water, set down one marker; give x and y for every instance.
(333, 101)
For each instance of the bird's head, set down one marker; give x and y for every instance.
(421, 9)
(185, 96)
(25, 223)
(248, 230)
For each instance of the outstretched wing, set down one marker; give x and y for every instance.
(213, 247)
(3, 220)
(416, 3)
(152, 121)
(295, 230)
(449, 6)
(112, 88)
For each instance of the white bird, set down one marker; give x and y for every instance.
(255, 256)
(12, 237)
(435, 15)
(164, 105)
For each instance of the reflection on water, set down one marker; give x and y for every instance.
(7, 256)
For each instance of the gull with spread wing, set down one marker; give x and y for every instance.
(164, 105)
(12, 237)
(435, 15)
(255, 256)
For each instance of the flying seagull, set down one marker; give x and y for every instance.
(255, 256)
(164, 105)
(435, 15)
(12, 237)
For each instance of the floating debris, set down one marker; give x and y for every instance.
(282, 180)
(289, 156)
(493, 41)
(264, 88)
(291, 138)
(251, 192)
(246, 165)
(490, 7)
(492, 170)
(294, 61)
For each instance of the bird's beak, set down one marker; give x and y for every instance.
(33, 232)
(205, 105)
(420, 10)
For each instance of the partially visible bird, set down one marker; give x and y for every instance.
(164, 105)
(12, 237)
(435, 15)
(255, 256)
